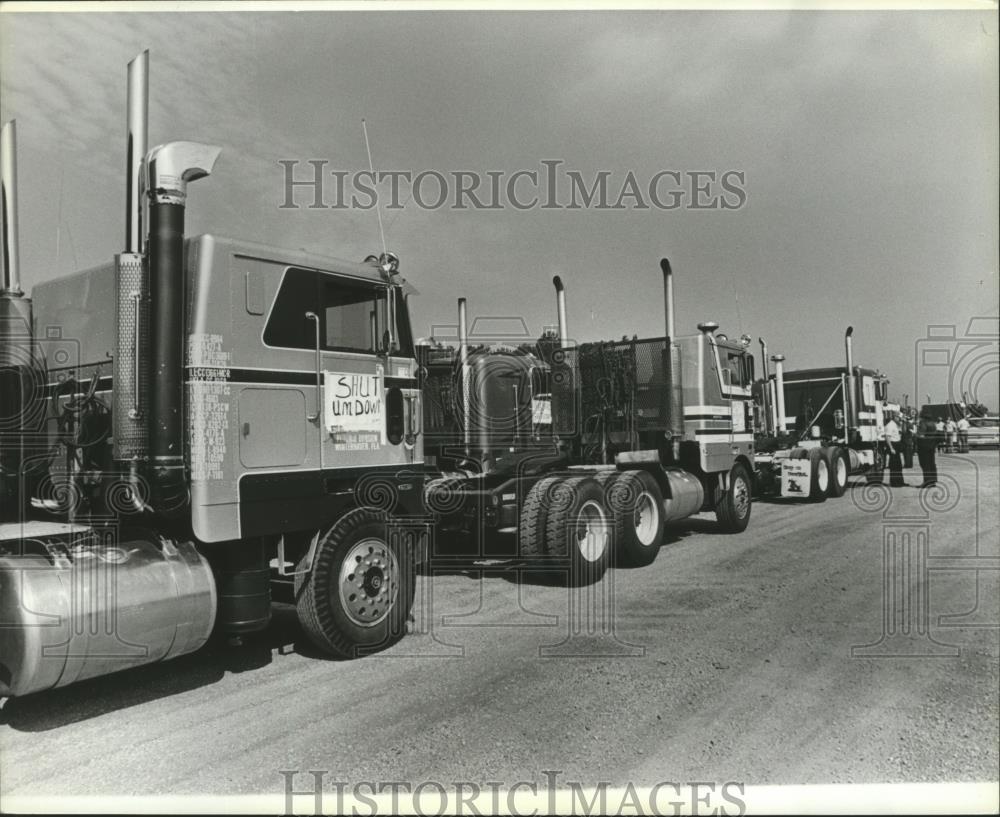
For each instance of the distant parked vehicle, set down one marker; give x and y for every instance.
(984, 432)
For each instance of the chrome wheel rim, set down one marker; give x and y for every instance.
(591, 531)
(741, 497)
(369, 582)
(645, 519)
(841, 471)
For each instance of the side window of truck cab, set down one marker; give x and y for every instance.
(868, 390)
(737, 369)
(357, 314)
(353, 314)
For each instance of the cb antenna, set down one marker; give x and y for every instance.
(378, 204)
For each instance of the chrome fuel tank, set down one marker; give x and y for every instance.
(686, 495)
(74, 611)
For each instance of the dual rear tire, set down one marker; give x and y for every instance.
(580, 524)
(819, 480)
(578, 529)
(820, 468)
(840, 470)
(636, 504)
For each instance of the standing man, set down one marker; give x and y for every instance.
(894, 442)
(908, 429)
(927, 442)
(963, 434)
(951, 427)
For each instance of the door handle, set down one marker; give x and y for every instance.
(312, 316)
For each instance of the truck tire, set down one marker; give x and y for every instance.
(819, 475)
(606, 480)
(635, 503)
(358, 595)
(732, 510)
(840, 470)
(578, 529)
(531, 522)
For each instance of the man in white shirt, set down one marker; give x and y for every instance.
(963, 434)
(894, 444)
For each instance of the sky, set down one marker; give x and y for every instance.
(867, 144)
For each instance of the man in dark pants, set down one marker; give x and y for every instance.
(908, 429)
(927, 443)
(894, 445)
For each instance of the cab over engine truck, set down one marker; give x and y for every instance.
(191, 421)
(577, 454)
(818, 427)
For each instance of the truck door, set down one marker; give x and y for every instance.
(736, 379)
(870, 416)
(368, 406)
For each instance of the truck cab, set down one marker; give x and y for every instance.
(299, 379)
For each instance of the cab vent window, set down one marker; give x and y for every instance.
(287, 325)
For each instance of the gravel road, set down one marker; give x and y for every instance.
(771, 657)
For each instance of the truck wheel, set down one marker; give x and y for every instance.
(531, 522)
(578, 529)
(358, 595)
(819, 477)
(840, 469)
(636, 506)
(732, 510)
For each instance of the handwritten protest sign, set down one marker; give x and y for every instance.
(353, 409)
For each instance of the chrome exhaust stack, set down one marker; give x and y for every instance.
(561, 311)
(464, 374)
(851, 395)
(10, 284)
(21, 371)
(135, 148)
(668, 296)
(131, 361)
(765, 387)
(675, 407)
(779, 390)
(169, 170)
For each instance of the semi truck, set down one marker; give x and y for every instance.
(817, 427)
(190, 420)
(576, 455)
